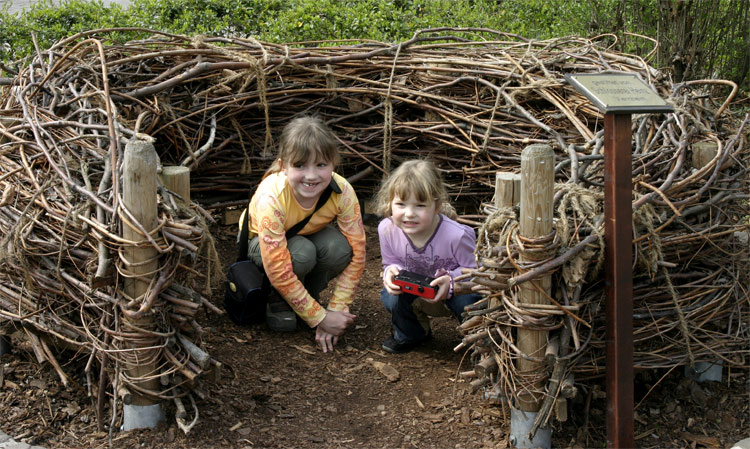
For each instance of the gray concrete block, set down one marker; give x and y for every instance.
(12, 444)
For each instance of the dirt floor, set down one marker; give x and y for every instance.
(279, 391)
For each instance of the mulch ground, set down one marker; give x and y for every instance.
(279, 391)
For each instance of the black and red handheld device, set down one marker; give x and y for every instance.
(416, 284)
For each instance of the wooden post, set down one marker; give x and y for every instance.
(139, 194)
(618, 95)
(507, 194)
(618, 285)
(507, 189)
(537, 182)
(176, 178)
(703, 153)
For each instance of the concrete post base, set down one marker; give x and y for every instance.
(704, 371)
(141, 416)
(520, 425)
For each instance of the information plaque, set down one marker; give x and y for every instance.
(618, 92)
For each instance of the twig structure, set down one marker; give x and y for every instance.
(469, 99)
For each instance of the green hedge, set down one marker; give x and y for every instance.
(49, 24)
(722, 54)
(285, 20)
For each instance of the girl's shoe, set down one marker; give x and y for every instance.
(393, 346)
(279, 314)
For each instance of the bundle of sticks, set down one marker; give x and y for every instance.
(468, 99)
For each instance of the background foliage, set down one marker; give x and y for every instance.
(698, 39)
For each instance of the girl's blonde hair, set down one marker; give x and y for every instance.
(419, 178)
(302, 138)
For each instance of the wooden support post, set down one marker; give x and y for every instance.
(176, 178)
(507, 194)
(618, 285)
(507, 189)
(537, 182)
(631, 96)
(703, 153)
(139, 194)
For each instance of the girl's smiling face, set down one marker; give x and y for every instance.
(417, 219)
(308, 179)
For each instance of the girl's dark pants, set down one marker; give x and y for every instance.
(410, 313)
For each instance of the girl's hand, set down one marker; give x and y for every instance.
(325, 340)
(331, 328)
(390, 287)
(444, 286)
(336, 322)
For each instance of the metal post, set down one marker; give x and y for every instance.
(618, 257)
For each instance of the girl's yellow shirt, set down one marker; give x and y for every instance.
(273, 210)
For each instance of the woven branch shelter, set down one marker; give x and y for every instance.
(468, 99)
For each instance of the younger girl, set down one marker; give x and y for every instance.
(301, 267)
(416, 237)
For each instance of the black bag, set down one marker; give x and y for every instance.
(246, 287)
(245, 293)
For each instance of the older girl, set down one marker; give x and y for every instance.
(301, 267)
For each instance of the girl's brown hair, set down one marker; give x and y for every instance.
(419, 178)
(304, 137)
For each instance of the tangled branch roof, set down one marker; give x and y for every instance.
(468, 99)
